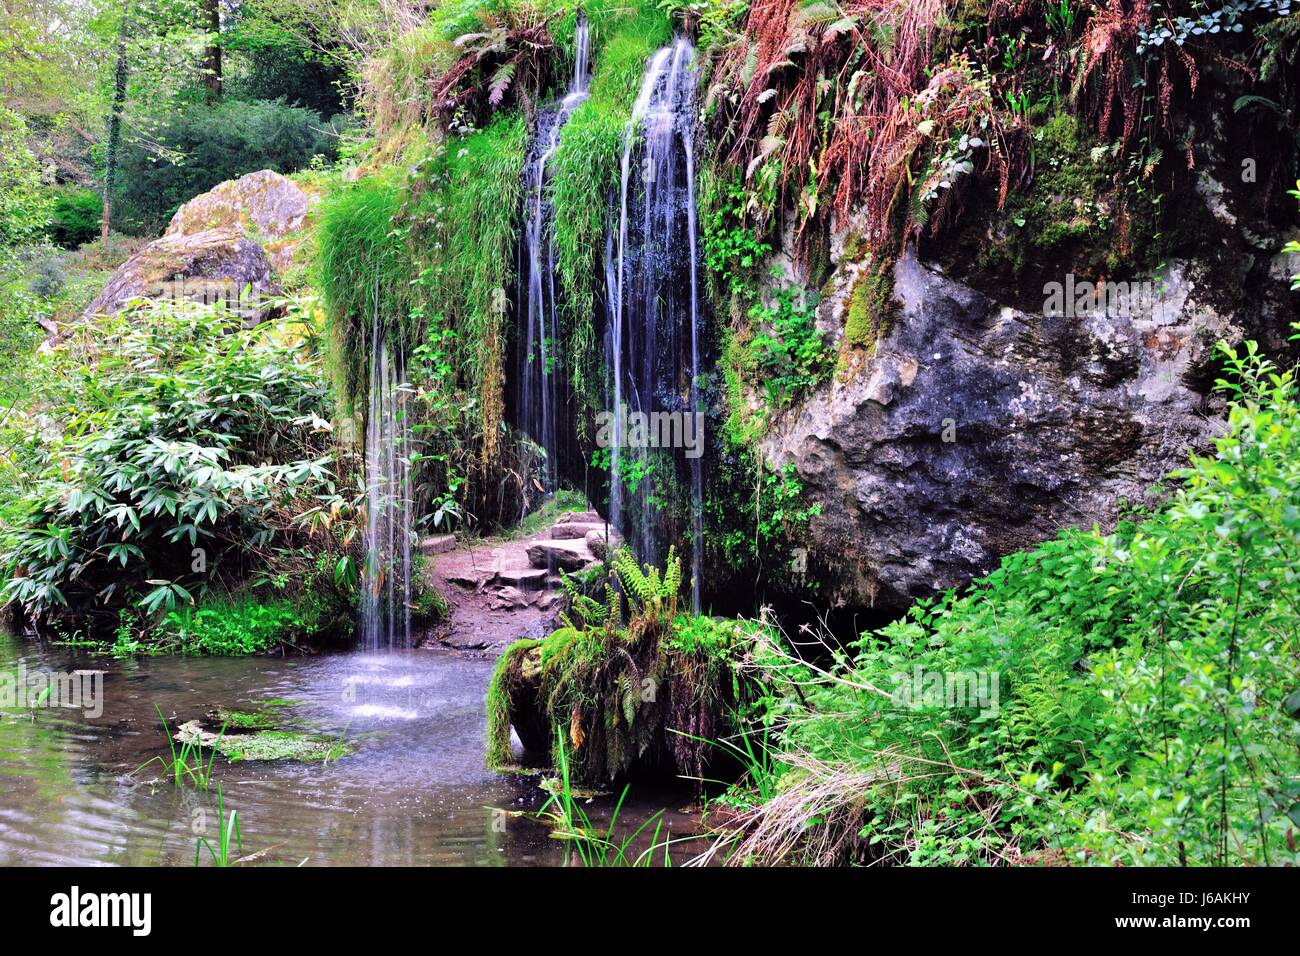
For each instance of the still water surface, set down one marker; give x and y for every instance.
(415, 793)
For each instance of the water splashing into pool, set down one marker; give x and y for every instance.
(385, 617)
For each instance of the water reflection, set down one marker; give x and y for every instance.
(415, 792)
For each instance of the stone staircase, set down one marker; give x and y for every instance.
(500, 591)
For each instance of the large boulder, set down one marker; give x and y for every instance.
(207, 266)
(264, 205)
(973, 430)
(230, 243)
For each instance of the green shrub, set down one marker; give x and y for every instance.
(789, 355)
(646, 690)
(249, 623)
(209, 144)
(77, 216)
(192, 451)
(1143, 706)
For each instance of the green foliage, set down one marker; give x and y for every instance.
(433, 256)
(717, 22)
(249, 623)
(498, 703)
(1139, 681)
(191, 449)
(206, 144)
(76, 216)
(754, 517)
(563, 810)
(1293, 247)
(275, 65)
(24, 203)
(790, 357)
(228, 835)
(733, 251)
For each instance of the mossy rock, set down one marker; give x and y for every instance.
(266, 206)
(263, 744)
(1080, 213)
(871, 307)
(213, 265)
(647, 700)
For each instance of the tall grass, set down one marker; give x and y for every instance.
(465, 205)
(595, 847)
(227, 835)
(362, 261)
(186, 764)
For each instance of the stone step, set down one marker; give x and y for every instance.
(572, 555)
(472, 579)
(438, 544)
(575, 529)
(509, 598)
(523, 578)
(580, 517)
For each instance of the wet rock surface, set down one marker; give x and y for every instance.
(500, 591)
(974, 430)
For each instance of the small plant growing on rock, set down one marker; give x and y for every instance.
(619, 677)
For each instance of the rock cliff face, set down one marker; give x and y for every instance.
(973, 430)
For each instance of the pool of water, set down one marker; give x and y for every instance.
(415, 792)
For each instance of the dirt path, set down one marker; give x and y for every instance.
(499, 590)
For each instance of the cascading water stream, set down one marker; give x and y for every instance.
(652, 339)
(538, 320)
(386, 575)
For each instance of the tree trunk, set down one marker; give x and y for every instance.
(212, 55)
(115, 121)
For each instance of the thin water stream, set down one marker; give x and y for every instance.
(538, 335)
(652, 340)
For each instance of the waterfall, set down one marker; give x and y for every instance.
(538, 321)
(652, 346)
(386, 575)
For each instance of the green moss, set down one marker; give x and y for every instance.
(648, 693)
(464, 209)
(499, 755)
(743, 426)
(551, 508)
(265, 744)
(362, 266)
(1076, 213)
(282, 745)
(871, 304)
(243, 719)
